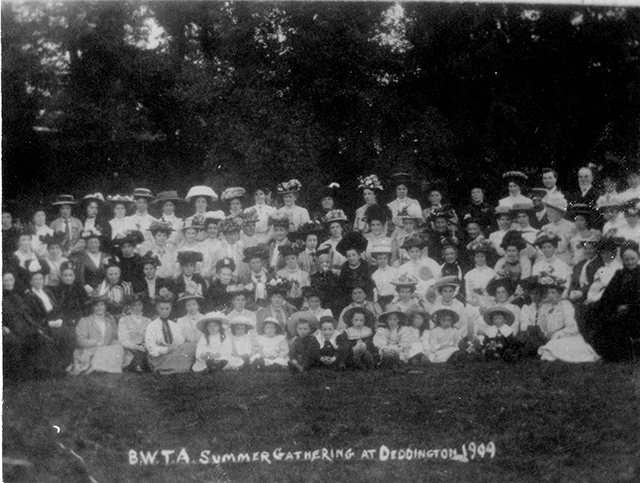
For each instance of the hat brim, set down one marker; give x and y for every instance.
(382, 319)
(304, 316)
(62, 203)
(369, 317)
(437, 315)
(488, 315)
(202, 323)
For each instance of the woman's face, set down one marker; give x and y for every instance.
(480, 259)
(291, 262)
(239, 302)
(501, 294)
(37, 281)
(358, 295)
(353, 257)
(142, 205)
(93, 245)
(99, 308)
(201, 204)
(369, 196)
(377, 228)
(512, 254)
(523, 219)
(335, 229)
(548, 249)
(113, 275)
(225, 275)
(473, 229)
(313, 302)
(450, 255)
(277, 300)
(630, 259)
(168, 208)
(393, 321)
(580, 222)
(435, 197)
(476, 195)
(327, 203)
(92, 209)
(54, 251)
(8, 281)
(289, 199)
(39, 218)
(311, 242)
(119, 211)
(212, 231)
(25, 243)
(149, 271)
(190, 235)
(514, 188)
(192, 307)
(235, 205)
(260, 197)
(402, 191)
(68, 276)
(240, 329)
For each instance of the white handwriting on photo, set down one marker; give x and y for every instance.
(465, 453)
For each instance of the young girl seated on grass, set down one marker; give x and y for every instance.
(131, 329)
(334, 346)
(358, 299)
(446, 289)
(360, 324)
(214, 347)
(304, 352)
(271, 346)
(242, 344)
(414, 339)
(388, 335)
(499, 341)
(407, 299)
(444, 337)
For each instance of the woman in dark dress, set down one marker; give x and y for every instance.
(618, 314)
(22, 339)
(70, 295)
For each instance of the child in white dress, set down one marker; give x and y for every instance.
(444, 337)
(272, 349)
(415, 337)
(242, 344)
(388, 335)
(214, 347)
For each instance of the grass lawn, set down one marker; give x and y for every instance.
(548, 421)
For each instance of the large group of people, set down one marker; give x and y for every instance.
(252, 280)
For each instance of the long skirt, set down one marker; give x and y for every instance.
(568, 349)
(442, 355)
(105, 358)
(176, 361)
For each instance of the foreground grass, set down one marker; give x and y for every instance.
(549, 422)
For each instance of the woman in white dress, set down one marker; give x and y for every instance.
(516, 181)
(297, 215)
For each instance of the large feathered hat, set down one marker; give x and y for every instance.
(352, 241)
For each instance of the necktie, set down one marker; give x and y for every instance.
(166, 332)
(327, 344)
(67, 231)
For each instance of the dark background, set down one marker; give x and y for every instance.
(253, 93)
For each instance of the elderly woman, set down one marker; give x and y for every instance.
(551, 330)
(97, 339)
(617, 320)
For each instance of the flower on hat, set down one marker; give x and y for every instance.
(250, 215)
(289, 186)
(94, 196)
(119, 199)
(335, 215)
(192, 288)
(548, 280)
(279, 218)
(234, 192)
(480, 245)
(371, 182)
(165, 294)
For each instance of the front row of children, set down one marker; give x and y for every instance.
(216, 341)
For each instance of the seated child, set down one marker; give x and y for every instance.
(271, 346)
(446, 289)
(131, 329)
(407, 298)
(358, 299)
(388, 335)
(168, 351)
(242, 344)
(360, 323)
(292, 272)
(499, 340)
(334, 346)
(304, 352)
(444, 337)
(414, 339)
(214, 347)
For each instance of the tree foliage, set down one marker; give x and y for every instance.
(248, 93)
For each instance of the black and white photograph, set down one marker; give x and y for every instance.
(314, 241)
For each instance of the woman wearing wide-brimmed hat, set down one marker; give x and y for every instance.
(202, 198)
(120, 224)
(289, 191)
(166, 203)
(214, 347)
(549, 262)
(371, 190)
(551, 331)
(94, 217)
(141, 219)
(272, 349)
(564, 229)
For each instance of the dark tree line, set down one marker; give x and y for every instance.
(259, 92)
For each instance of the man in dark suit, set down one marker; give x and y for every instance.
(151, 285)
(587, 194)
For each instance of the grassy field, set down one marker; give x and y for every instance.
(549, 422)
